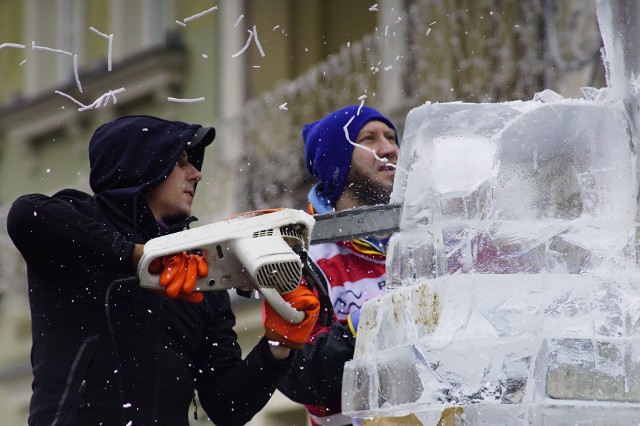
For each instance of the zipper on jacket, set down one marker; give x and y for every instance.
(81, 391)
(79, 366)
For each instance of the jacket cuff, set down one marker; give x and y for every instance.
(124, 253)
(273, 364)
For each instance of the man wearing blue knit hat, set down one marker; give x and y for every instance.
(331, 156)
(353, 153)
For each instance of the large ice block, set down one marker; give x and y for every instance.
(517, 187)
(514, 281)
(514, 286)
(542, 342)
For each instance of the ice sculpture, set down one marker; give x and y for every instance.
(515, 286)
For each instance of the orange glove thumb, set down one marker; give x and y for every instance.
(173, 266)
(282, 331)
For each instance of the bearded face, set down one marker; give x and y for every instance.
(370, 178)
(368, 190)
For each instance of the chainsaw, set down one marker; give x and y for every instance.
(266, 251)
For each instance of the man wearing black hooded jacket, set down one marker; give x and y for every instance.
(106, 351)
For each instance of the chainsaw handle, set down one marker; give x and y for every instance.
(284, 309)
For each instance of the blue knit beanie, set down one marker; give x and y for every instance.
(327, 150)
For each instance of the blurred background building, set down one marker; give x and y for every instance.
(257, 70)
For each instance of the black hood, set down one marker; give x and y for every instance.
(133, 154)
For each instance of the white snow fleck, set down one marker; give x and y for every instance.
(104, 99)
(48, 49)
(182, 100)
(255, 34)
(101, 101)
(197, 15)
(17, 46)
(252, 34)
(75, 72)
(109, 38)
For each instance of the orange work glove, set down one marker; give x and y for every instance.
(282, 331)
(178, 275)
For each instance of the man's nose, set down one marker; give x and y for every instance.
(387, 148)
(194, 174)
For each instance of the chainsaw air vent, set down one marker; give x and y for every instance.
(263, 233)
(283, 276)
(292, 235)
(289, 231)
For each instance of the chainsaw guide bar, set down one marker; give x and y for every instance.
(355, 223)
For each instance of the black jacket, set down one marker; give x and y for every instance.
(106, 351)
(315, 376)
(109, 352)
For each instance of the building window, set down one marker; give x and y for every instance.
(157, 15)
(140, 25)
(69, 37)
(55, 33)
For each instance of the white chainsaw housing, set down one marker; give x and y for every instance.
(249, 251)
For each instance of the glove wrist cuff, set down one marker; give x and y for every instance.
(273, 336)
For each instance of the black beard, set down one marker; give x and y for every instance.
(365, 191)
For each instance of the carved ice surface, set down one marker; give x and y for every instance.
(514, 288)
(541, 187)
(534, 340)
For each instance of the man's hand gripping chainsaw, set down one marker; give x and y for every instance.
(264, 250)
